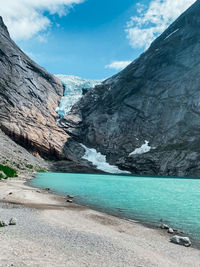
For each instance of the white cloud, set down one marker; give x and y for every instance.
(118, 65)
(151, 21)
(25, 18)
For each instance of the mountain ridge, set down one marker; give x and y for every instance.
(154, 99)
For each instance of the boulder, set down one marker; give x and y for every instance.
(4, 176)
(181, 240)
(12, 221)
(170, 231)
(164, 226)
(4, 223)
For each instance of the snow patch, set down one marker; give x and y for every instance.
(171, 34)
(73, 91)
(141, 150)
(99, 160)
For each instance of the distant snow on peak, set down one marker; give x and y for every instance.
(99, 161)
(73, 91)
(141, 150)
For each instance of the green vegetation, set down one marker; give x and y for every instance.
(10, 172)
(1, 176)
(29, 166)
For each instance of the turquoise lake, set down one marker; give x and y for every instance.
(146, 199)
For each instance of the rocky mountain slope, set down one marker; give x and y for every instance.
(146, 119)
(28, 99)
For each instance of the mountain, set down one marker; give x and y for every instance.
(29, 96)
(74, 87)
(146, 119)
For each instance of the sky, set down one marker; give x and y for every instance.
(93, 39)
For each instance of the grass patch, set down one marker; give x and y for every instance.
(10, 172)
(29, 166)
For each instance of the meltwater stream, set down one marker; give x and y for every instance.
(147, 199)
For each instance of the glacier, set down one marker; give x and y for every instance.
(73, 86)
(99, 161)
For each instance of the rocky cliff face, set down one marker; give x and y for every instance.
(28, 99)
(155, 99)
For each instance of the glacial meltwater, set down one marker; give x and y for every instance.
(147, 199)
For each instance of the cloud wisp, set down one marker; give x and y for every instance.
(118, 65)
(26, 18)
(151, 21)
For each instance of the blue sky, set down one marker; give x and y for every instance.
(92, 38)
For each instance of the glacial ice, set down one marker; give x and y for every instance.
(73, 91)
(99, 160)
(141, 150)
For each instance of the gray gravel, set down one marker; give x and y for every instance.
(72, 246)
(76, 236)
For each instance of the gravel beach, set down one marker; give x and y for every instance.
(51, 232)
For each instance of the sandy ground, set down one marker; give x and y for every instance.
(51, 232)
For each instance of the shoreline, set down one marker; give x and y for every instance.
(155, 225)
(145, 242)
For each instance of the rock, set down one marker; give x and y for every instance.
(4, 176)
(180, 240)
(10, 193)
(164, 226)
(29, 96)
(138, 104)
(170, 231)
(69, 196)
(12, 221)
(4, 223)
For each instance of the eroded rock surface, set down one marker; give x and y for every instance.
(28, 99)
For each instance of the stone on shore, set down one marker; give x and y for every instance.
(4, 176)
(164, 226)
(12, 221)
(3, 224)
(170, 231)
(181, 240)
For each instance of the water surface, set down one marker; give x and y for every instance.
(147, 199)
